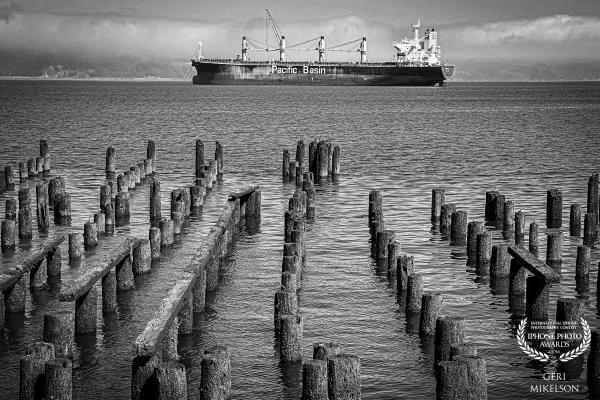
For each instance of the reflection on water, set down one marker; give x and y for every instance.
(522, 139)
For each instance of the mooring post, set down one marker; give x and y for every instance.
(575, 220)
(458, 228)
(74, 246)
(500, 261)
(509, 216)
(7, 235)
(431, 310)
(11, 209)
(344, 377)
(109, 291)
(215, 373)
(414, 293)
(438, 199)
(110, 159)
(151, 153)
(85, 312)
(25, 230)
(520, 228)
(517, 281)
(219, 160)
(90, 234)
(9, 178)
(446, 218)
(592, 197)
(473, 229)
(589, 229)
(448, 330)
(59, 379)
(314, 380)
(452, 380)
(534, 240)
(554, 202)
(476, 376)
(33, 371)
(59, 329)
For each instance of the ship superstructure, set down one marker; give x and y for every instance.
(419, 51)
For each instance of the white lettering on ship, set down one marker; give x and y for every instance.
(296, 70)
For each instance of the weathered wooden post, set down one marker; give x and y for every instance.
(517, 278)
(448, 330)
(155, 242)
(452, 380)
(446, 217)
(314, 380)
(7, 235)
(11, 209)
(438, 199)
(219, 160)
(39, 165)
(300, 150)
(592, 197)
(166, 232)
(344, 377)
(582, 267)
(31, 168)
(109, 291)
(509, 216)
(335, 163)
(109, 218)
(55, 186)
(458, 228)
(286, 303)
(484, 248)
(462, 349)
(405, 267)
(312, 158)
(431, 310)
(537, 299)
(105, 196)
(135, 174)
(22, 172)
(85, 312)
(414, 293)
(186, 315)
(498, 208)
(151, 153)
(45, 154)
(290, 338)
(299, 176)
(170, 381)
(329, 158)
(500, 261)
(322, 159)
(215, 374)
(285, 168)
(554, 248)
(74, 246)
(571, 311)
(33, 373)
(575, 220)
(520, 228)
(90, 234)
(534, 241)
(122, 206)
(59, 379)
(25, 230)
(476, 376)
(9, 178)
(100, 221)
(554, 202)
(142, 257)
(110, 159)
(292, 171)
(199, 158)
(59, 328)
(62, 208)
(589, 230)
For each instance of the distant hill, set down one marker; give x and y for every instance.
(63, 66)
(467, 70)
(472, 70)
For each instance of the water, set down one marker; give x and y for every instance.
(522, 139)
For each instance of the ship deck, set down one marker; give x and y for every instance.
(234, 61)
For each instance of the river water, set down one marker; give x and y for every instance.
(522, 139)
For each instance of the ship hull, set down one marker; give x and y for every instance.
(315, 74)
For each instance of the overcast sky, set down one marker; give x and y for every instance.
(172, 29)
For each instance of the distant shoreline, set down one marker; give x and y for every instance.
(70, 78)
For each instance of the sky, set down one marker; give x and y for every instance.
(160, 29)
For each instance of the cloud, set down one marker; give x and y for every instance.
(549, 30)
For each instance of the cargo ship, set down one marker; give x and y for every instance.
(416, 63)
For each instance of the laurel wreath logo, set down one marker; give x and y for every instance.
(538, 355)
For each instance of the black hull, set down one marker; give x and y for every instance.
(315, 74)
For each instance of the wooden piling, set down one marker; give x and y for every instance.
(215, 374)
(22, 172)
(62, 208)
(312, 157)
(314, 380)
(285, 168)
(15, 296)
(155, 242)
(109, 218)
(498, 208)
(462, 349)
(448, 330)
(25, 230)
(31, 168)
(473, 229)
(59, 379)
(85, 312)
(590, 232)
(39, 165)
(554, 248)
(122, 206)
(38, 275)
(151, 153)
(219, 160)
(534, 241)
(335, 163)
(517, 278)
(59, 329)
(8, 234)
(520, 228)
(582, 266)
(199, 292)
(300, 152)
(122, 183)
(438, 199)
(414, 293)
(593, 361)
(124, 271)
(11, 209)
(484, 248)
(42, 209)
(46, 163)
(299, 176)
(196, 198)
(74, 246)
(569, 311)
(55, 262)
(537, 299)
(392, 260)
(509, 216)
(56, 185)
(100, 221)
(199, 158)
(142, 376)
(90, 234)
(575, 220)
(109, 292)
(322, 159)
(110, 159)
(142, 257)
(431, 310)
(554, 202)
(446, 217)
(592, 197)
(166, 232)
(285, 303)
(33, 372)
(405, 267)
(477, 382)
(458, 228)
(170, 381)
(290, 338)
(452, 381)
(9, 178)
(186, 315)
(105, 196)
(344, 377)
(500, 261)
